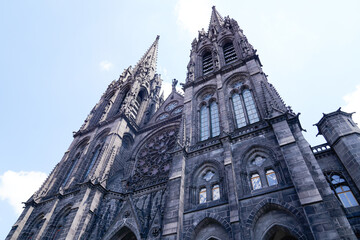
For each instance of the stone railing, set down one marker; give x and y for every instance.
(320, 148)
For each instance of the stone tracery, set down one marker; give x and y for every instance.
(153, 160)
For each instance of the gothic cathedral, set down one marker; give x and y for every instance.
(225, 160)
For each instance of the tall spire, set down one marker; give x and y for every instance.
(149, 59)
(216, 20)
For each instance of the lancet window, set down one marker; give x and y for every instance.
(207, 63)
(243, 106)
(209, 118)
(94, 157)
(229, 52)
(57, 229)
(73, 164)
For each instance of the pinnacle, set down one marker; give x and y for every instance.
(216, 19)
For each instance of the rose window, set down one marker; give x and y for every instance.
(154, 161)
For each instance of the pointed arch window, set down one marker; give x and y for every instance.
(207, 63)
(207, 185)
(244, 108)
(204, 123)
(214, 120)
(93, 160)
(209, 121)
(342, 190)
(73, 164)
(229, 52)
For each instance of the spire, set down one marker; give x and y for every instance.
(216, 20)
(149, 59)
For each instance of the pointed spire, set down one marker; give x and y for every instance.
(216, 20)
(149, 59)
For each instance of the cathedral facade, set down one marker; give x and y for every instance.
(225, 160)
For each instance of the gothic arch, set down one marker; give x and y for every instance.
(82, 142)
(204, 164)
(102, 134)
(206, 89)
(268, 204)
(292, 219)
(123, 227)
(197, 182)
(207, 220)
(152, 159)
(207, 47)
(151, 135)
(291, 232)
(226, 39)
(58, 224)
(31, 231)
(254, 149)
(237, 76)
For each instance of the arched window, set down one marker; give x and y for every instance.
(206, 185)
(136, 103)
(214, 120)
(93, 160)
(73, 164)
(204, 123)
(209, 120)
(250, 106)
(33, 229)
(342, 190)
(239, 111)
(229, 52)
(255, 181)
(244, 108)
(58, 229)
(271, 177)
(207, 63)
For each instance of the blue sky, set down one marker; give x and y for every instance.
(57, 58)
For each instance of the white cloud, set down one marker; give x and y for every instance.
(193, 15)
(17, 187)
(166, 87)
(353, 103)
(105, 65)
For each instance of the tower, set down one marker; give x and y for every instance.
(225, 160)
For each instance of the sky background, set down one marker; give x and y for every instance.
(57, 58)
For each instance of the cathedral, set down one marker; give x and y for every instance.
(224, 160)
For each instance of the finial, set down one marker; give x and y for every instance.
(157, 37)
(174, 83)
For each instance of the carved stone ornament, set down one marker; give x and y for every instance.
(155, 231)
(153, 160)
(126, 214)
(258, 161)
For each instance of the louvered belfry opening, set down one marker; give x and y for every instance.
(229, 52)
(207, 63)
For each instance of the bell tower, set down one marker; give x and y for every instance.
(97, 152)
(230, 105)
(223, 60)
